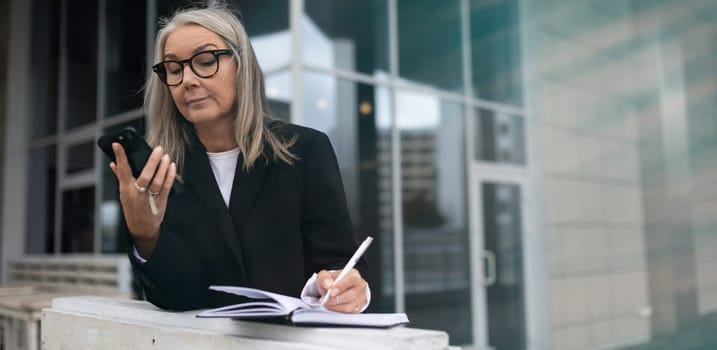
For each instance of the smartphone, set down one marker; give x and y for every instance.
(136, 148)
(134, 145)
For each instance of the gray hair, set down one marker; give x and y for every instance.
(252, 112)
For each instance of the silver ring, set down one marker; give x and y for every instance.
(153, 194)
(339, 300)
(140, 188)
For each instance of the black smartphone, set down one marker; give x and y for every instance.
(136, 148)
(134, 145)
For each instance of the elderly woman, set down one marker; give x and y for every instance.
(262, 203)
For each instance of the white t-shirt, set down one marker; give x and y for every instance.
(224, 165)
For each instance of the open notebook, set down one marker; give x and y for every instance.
(296, 311)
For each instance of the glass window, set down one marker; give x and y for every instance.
(125, 55)
(500, 137)
(80, 157)
(41, 187)
(495, 51)
(45, 67)
(357, 118)
(267, 23)
(259, 17)
(347, 35)
(113, 232)
(264, 17)
(81, 77)
(78, 220)
(273, 51)
(435, 222)
(429, 43)
(278, 94)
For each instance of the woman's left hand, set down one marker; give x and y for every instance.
(347, 295)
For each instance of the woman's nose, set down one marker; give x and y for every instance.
(188, 75)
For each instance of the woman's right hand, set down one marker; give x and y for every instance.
(155, 180)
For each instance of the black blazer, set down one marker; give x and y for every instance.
(284, 222)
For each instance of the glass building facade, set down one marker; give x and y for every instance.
(537, 174)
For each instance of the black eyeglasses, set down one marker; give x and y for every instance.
(204, 64)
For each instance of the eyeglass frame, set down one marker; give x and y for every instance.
(161, 71)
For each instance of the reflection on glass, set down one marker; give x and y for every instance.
(429, 43)
(267, 24)
(258, 17)
(113, 231)
(78, 220)
(80, 157)
(435, 222)
(502, 232)
(500, 137)
(349, 113)
(495, 50)
(42, 171)
(278, 94)
(81, 84)
(273, 51)
(126, 52)
(347, 35)
(45, 63)
(263, 17)
(374, 106)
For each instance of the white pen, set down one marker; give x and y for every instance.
(152, 205)
(349, 265)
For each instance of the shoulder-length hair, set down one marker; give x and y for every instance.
(251, 131)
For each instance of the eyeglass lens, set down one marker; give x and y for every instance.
(203, 64)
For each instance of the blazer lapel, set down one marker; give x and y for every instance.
(245, 188)
(201, 181)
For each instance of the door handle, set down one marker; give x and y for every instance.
(490, 263)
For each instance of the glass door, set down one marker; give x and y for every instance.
(497, 242)
(509, 298)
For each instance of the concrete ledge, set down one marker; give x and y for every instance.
(102, 323)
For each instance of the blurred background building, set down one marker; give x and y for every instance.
(537, 174)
